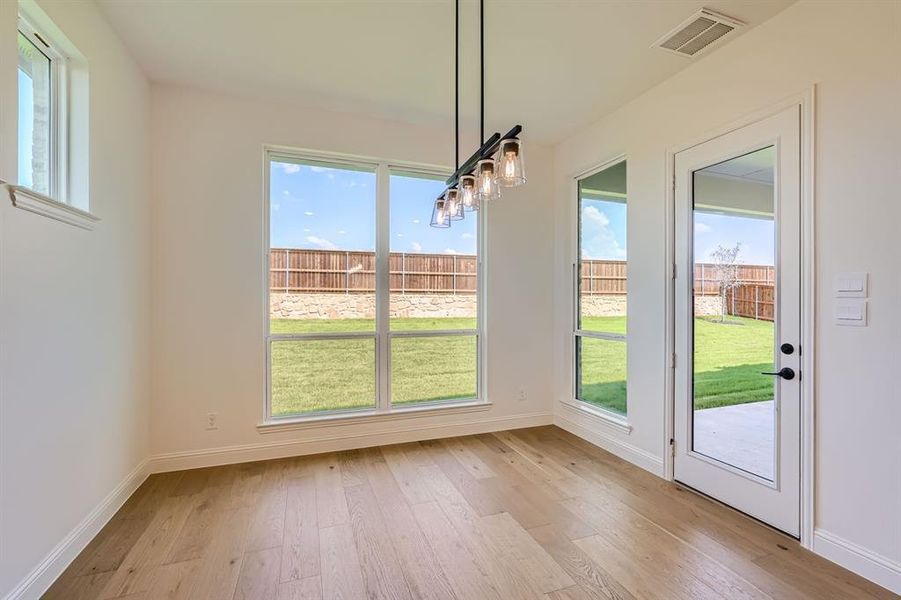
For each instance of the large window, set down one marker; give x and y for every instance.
(42, 116)
(601, 294)
(370, 309)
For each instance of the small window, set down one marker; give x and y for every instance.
(42, 116)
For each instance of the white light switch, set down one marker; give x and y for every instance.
(851, 313)
(851, 285)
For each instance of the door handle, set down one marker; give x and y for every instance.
(784, 373)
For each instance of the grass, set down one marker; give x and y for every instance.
(314, 375)
(340, 374)
(729, 358)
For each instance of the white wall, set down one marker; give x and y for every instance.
(208, 347)
(74, 311)
(851, 51)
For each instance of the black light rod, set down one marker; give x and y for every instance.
(487, 149)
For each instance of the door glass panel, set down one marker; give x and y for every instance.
(734, 293)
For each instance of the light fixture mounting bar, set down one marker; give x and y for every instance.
(486, 150)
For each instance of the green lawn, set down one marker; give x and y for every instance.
(729, 358)
(339, 374)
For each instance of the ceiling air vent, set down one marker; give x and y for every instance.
(698, 33)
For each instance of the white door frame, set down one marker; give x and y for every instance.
(806, 102)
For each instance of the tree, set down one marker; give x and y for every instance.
(725, 272)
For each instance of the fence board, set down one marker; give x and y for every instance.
(338, 271)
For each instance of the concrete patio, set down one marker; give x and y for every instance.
(740, 435)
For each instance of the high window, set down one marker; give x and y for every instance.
(42, 117)
(370, 310)
(601, 293)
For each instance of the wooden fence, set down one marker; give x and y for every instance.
(293, 270)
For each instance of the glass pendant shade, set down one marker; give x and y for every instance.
(439, 214)
(509, 167)
(486, 186)
(467, 193)
(453, 204)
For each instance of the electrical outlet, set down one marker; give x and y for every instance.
(212, 420)
(522, 394)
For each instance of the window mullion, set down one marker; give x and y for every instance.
(382, 290)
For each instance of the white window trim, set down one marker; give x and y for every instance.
(382, 336)
(618, 421)
(39, 204)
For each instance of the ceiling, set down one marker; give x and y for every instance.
(755, 166)
(551, 65)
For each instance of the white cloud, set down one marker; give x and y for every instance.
(598, 240)
(341, 232)
(289, 168)
(318, 169)
(307, 230)
(286, 193)
(321, 242)
(702, 227)
(450, 251)
(466, 236)
(309, 213)
(416, 246)
(400, 235)
(416, 221)
(275, 206)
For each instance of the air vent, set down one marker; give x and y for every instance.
(698, 33)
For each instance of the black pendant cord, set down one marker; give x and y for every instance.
(481, 71)
(457, 84)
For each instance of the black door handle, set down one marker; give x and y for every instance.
(784, 373)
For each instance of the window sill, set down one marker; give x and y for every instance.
(39, 204)
(604, 417)
(275, 425)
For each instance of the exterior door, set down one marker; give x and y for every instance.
(737, 319)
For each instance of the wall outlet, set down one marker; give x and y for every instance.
(212, 420)
(522, 394)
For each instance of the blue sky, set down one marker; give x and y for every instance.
(603, 229)
(755, 235)
(334, 209)
(604, 233)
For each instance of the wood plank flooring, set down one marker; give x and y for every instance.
(527, 514)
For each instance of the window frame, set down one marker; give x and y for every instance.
(618, 420)
(58, 172)
(382, 335)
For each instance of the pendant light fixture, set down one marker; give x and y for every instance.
(482, 175)
(439, 215)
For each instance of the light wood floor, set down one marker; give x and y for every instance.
(534, 513)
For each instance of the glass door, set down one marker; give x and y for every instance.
(737, 400)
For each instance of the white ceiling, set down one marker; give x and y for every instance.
(754, 166)
(552, 66)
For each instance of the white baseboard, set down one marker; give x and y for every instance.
(869, 565)
(326, 442)
(52, 566)
(607, 441)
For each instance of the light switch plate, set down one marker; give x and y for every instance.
(851, 285)
(851, 313)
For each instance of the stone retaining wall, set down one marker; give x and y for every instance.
(615, 306)
(362, 306)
